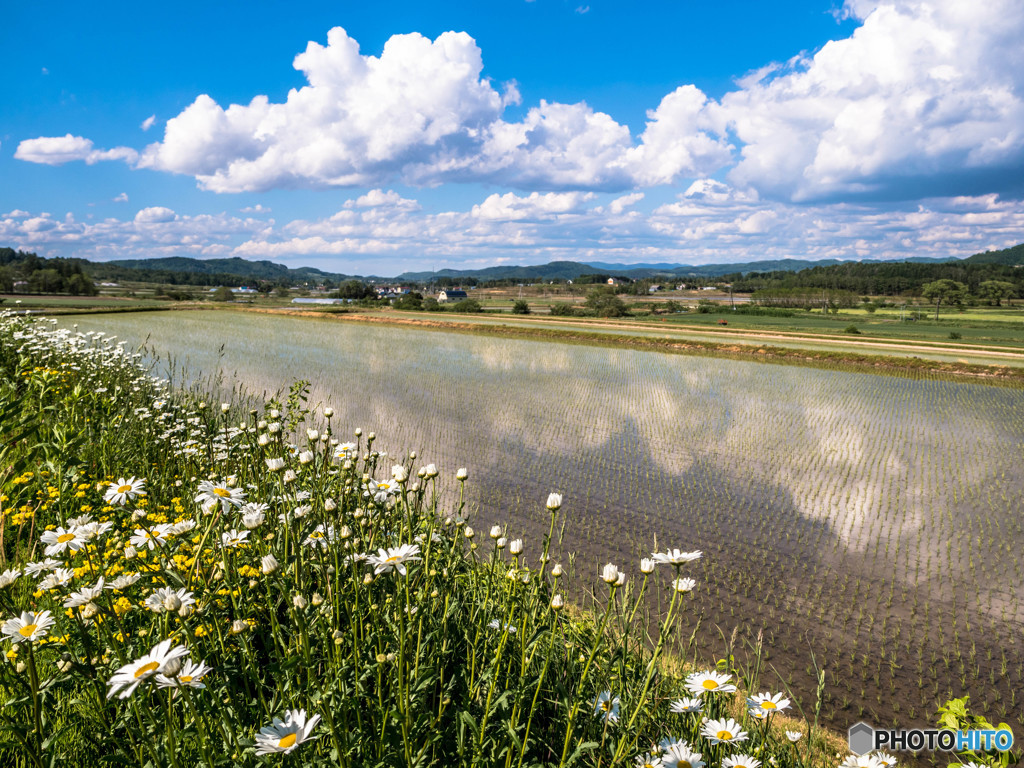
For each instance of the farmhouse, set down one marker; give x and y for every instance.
(451, 295)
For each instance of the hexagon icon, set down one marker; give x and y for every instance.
(862, 738)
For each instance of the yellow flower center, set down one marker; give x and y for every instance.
(768, 705)
(123, 488)
(287, 741)
(145, 669)
(724, 736)
(393, 559)
(28, 630)
(222, 492)
(709, 685)
(65, 537)
(684, 764)
(186, 678)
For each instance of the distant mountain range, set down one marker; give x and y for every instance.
(181, 270)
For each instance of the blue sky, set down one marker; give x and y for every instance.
(378, 137)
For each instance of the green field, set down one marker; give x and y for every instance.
(873, 521)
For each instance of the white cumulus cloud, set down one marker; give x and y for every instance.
(57, 150)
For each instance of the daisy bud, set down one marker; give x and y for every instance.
(516, 547)
(462, 474)
(469, 533)
(299, 602)
(289, 476)
(610, 574)
(557, 603)
(172, 603)
(268, 564)
(171, 667)
(495, 531)
(253, 583)
(646, 565)
(345, 532)
(371, 437)
(238, 627)
(421, 473)
(317, 599)
(130, 553)
(274, 427)
(185, 611)
(554, 501)
(557, 570)
(367, 579)
(274, 414)
(275, 465)
(399, 473)
(621, 580)
(500, 543)
(431, 470)
(305, 457)
(225, 407)
(261, 425)
(358, 432)
(329, 504)
(313, 434)
(263, 439)
(684, 585)
(89, 610)
(328, 412)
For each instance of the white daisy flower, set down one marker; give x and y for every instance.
(189, 676)
(233, 539)
(710, 681)
(90, 531)
(382, 490)
(160, 660)
(151, 538)
(887, 760)
(27, 628)
(676, 557)
(60, 539)
(681, 756)
(167, 599)
(123, 581)
(768, 703)
(285, 735)
(219, 492)
(724, 731)
(8, 577)
(34, 569)
(396, 558)
(686, 705)
(607, 706)
(83, 596)
(741, 761)
(59, 578)
(124, 491)
(495, 624)
(794, 736)
(321, 536)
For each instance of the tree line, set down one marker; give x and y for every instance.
(29, 273)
